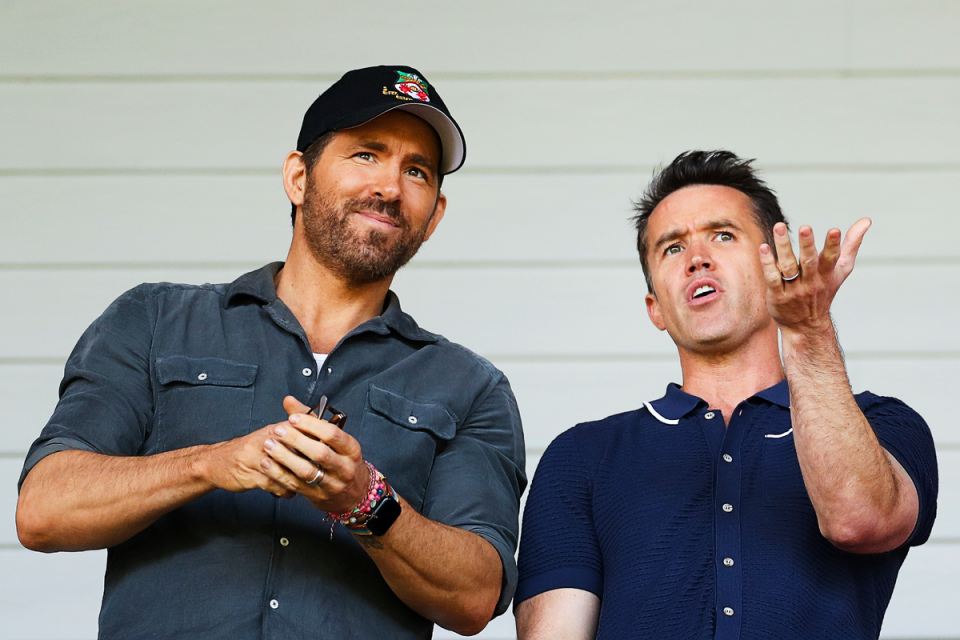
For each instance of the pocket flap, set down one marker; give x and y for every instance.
(200, 371)
(419, 416)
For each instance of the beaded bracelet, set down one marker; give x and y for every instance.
(356, 519)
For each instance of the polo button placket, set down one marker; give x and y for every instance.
(729, 597)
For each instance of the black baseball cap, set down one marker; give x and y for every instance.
(363, 94)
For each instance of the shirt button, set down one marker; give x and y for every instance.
(727, 457)
(284, 542)
(307, 372)
(726, 610)
(412, 419)
(728, 507)
(274, 604)
(709, 415)
(202, 376)
(329, 369)
(728, 562)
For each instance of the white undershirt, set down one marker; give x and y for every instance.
(320, 358)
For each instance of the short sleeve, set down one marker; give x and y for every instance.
(560, 548)
(478, 478)
(106, 399)
(903, 433)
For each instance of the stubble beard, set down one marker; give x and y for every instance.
(357, 257)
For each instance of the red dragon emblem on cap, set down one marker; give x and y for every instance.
(412, 85)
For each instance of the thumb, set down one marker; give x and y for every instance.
(292, 406)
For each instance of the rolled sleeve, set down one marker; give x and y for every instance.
(105, 398)
(906, 436)
(560, 548)
(478, 478)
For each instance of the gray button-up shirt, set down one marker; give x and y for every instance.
(169, 366)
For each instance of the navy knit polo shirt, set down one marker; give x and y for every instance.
(686, 529)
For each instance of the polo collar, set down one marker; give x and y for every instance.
(259, 285)
(676, 403)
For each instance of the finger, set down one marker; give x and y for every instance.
(808, 250)
(831, 252)
(851, 243)
(786, 260)
(292, 405)
(310, 427)
(301, 469)
(278, 480)
(771, 272)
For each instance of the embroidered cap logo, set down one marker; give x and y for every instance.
(410, 84)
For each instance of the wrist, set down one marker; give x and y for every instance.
(376, 512)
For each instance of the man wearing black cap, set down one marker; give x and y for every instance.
(183, 408)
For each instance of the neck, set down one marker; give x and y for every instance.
(725, 380)
(326, 306)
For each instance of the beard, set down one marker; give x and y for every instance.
(358, 257)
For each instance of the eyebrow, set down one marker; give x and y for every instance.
(713, 225)
(415, 158)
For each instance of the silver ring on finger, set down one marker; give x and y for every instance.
(317, 479)
(791, 278)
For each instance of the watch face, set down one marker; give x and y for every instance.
(386, 514)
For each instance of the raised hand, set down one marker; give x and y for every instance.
(801, 291)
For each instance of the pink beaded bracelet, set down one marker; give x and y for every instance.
(356, 519)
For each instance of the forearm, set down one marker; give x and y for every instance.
(865, 501)
(448, 575)
(77, 500)
(559, 614)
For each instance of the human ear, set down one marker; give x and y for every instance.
(653, 310)
(437, 216)
(294, 177)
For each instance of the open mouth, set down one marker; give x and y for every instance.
(705, 290)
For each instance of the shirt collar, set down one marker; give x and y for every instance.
(676, 403)
(259, 285)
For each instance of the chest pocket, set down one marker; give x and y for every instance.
(202, 401)
(402, 437)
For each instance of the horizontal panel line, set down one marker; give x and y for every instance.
(531, 170)
(487, 76)
(440, 265)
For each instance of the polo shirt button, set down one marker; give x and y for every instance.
(727, 457)
(274, 604)
(329, 369)
(726, 610)
(728, 562)
(202, 376)
(709, 415)
(728, 507)
(284, 542)
(307, 372)
(412, 419)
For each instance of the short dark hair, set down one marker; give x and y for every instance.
(720, 167)
(312, 154)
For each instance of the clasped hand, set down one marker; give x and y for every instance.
(800, 290)
(297, 449)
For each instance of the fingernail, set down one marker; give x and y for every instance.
(280, 431)
(294, 418)
(265, 463)
(269, 444)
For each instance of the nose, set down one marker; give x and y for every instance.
(699, 257)
(387, 186)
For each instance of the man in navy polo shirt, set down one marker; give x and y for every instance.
(759, 499)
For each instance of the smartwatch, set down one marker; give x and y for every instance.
(384, 515)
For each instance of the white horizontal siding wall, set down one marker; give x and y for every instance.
(143, 142)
